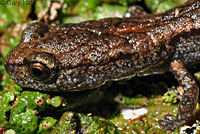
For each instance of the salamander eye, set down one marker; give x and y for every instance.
(42, 67)
(39, 71)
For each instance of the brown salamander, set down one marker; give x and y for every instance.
(74, 57)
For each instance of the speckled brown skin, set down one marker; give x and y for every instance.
(74, 57)
(189, 99)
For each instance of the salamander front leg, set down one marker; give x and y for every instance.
(189, 99)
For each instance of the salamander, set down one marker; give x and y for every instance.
(76, 57)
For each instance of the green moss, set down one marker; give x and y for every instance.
(46, 125)
(80, 123)
(127, 2)
(10, 131)
(162, 5)
(104, 11)
(25, 122)
(136, 101)
(55, 101)
(109, 10)
(166, 5)
(147, 123)
(29, 100)
(27, 106)
(66, 125)
(23, 115)
(96, 125)
(153, 4)
(6, 99)
(170, 97)
(86, 5)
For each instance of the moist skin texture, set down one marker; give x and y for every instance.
(75, 57)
